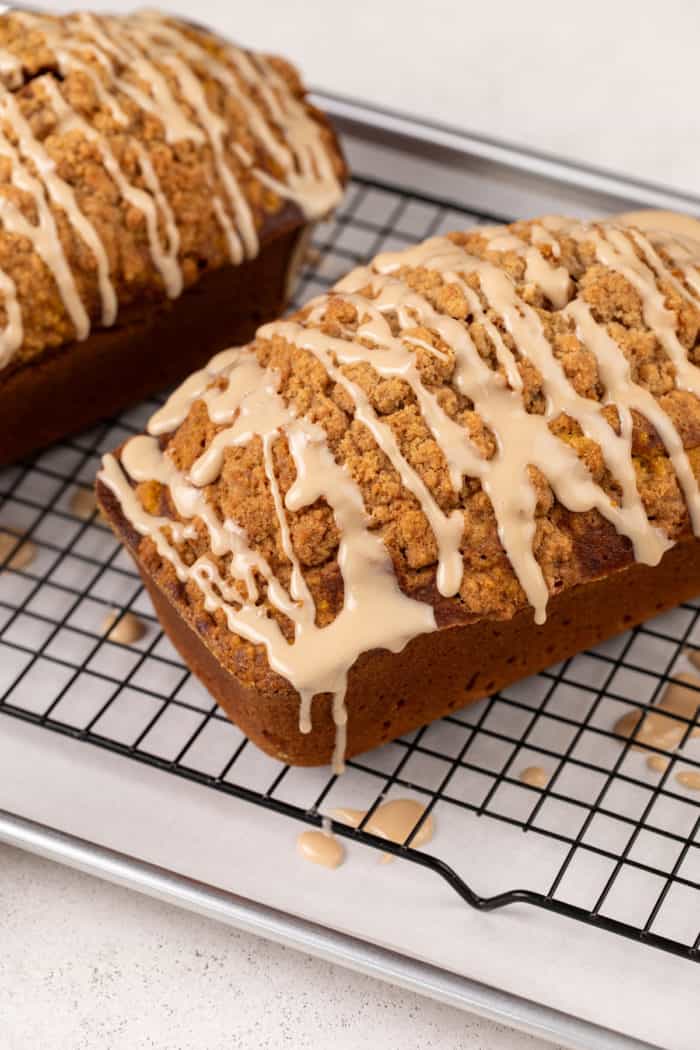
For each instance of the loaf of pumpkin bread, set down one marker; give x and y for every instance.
(156, 186)
(468, 460)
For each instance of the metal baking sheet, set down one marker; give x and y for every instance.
(46, 811)
(310, 937)
(486, 174)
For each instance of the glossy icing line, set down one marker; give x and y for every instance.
(451, 261)
(621, 390)
(446, 527)
(616, 251)
(156, 65)
(164, 258)
(43, 234)
(61, 193)
(677, 235)
(242, 399)
(309, 178)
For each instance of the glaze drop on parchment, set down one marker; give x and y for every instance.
(23, 552)
(659, 728)
(658, 763)
(694, 656)
(321, 847)
(83, 503)
(128, 57)
(534, 776)
(122, 628)
(395, 323)
(393, 820)
(689, 778)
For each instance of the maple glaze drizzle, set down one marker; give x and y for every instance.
(131, 52)
(245, 404)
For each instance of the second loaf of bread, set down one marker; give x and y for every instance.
(363, 519)
(156, 183)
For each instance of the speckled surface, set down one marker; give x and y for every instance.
(89, 966)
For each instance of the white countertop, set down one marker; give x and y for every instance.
(87, 965)
(610, 82)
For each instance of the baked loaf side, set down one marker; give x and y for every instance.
(151, 348)
(452, 437)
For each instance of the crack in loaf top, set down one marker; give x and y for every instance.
(135, 153)
(510, 411)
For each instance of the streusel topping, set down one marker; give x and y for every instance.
(135, 154)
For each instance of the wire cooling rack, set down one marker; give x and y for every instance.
(609, 842)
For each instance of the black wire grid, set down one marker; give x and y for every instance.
(610, 842)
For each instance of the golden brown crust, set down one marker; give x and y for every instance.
(188, 176)
(571, 548)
